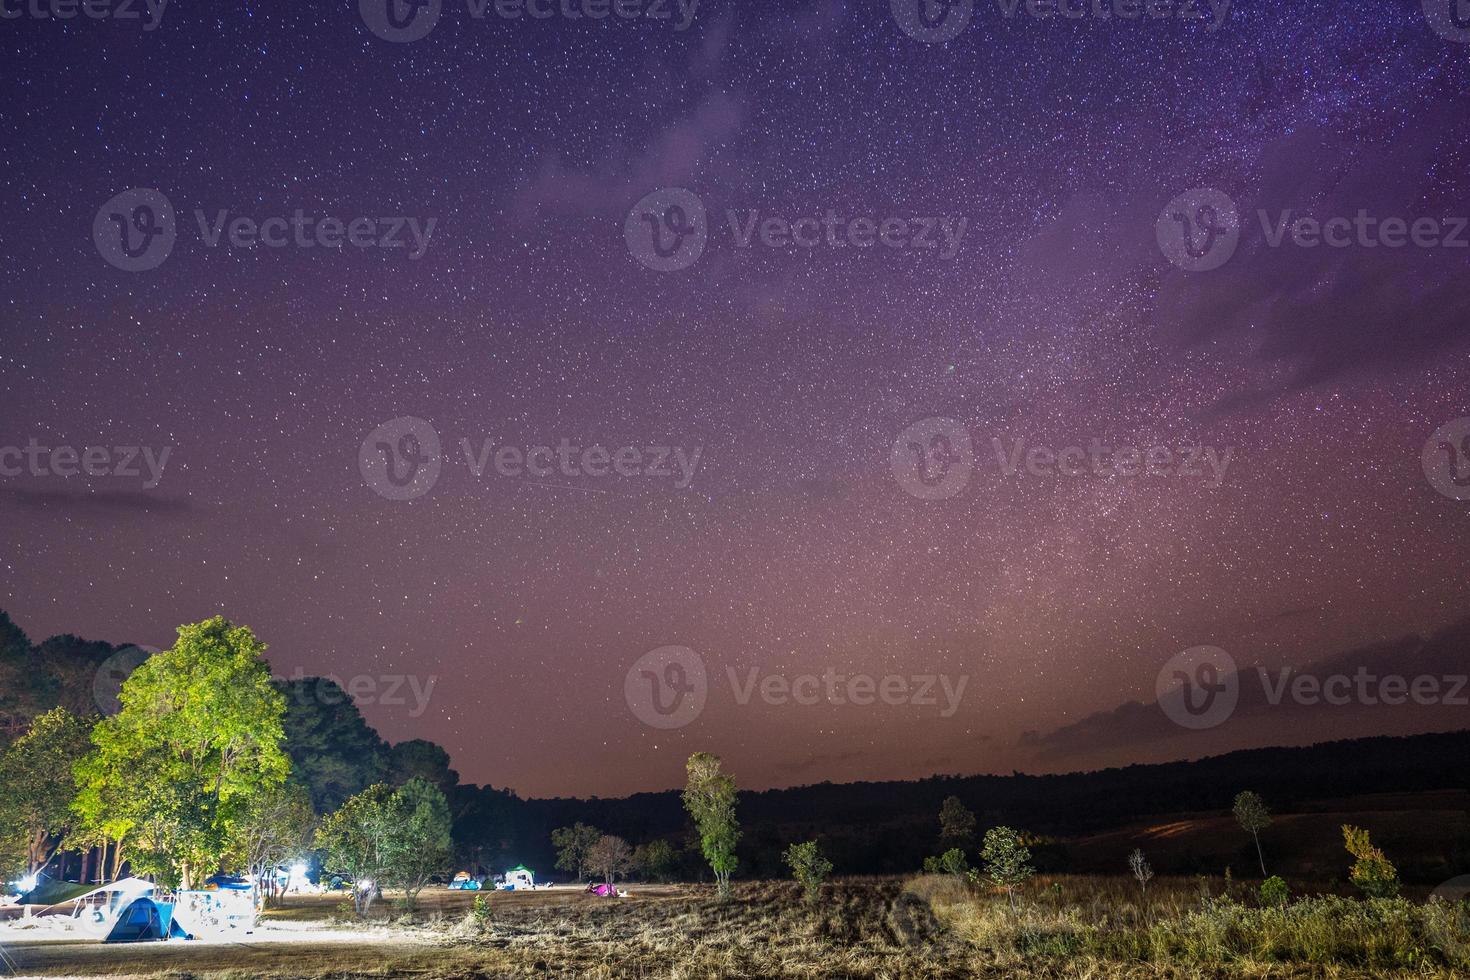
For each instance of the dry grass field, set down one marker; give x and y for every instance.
(868, 928)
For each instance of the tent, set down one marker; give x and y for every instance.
(606, 891)
(464, 882)
(519, 878)
(143, 919)
(126, 911)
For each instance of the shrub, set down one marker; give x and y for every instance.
(1274, 891)
(809, 867)
(1372, 872)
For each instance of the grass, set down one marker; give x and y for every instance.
(1088, 928)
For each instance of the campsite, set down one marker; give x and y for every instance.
(865, 927)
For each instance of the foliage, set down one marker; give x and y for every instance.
(809, 867)
(480, 911)
(1216, 937)
(956, 824)
(657, 860)
(1006, 860)
(275, 828)
(1372, 872)
(709, 797)
(1274, 891)
(334, 753)
(359, 841)
(386, 837)
(199, 734)
(419, 758)
(1251, 813)
(610, 857)
(952, 862)
(37, 789)
(572, 845)
(421, 844)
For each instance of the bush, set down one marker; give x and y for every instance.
(1274, 891)
(1372, 872)
(809, 867)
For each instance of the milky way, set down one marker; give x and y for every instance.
(1022, 170)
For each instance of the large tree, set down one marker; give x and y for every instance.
(36, 785)
(335, 754)
(418, 758)
(709, 796)
(956, 825)
(610, 857)
(422, 843)
(572, 845)
(198, 736)
(359, 840)
(275, 828)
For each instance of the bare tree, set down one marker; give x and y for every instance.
(1139, 865)
(610, 857)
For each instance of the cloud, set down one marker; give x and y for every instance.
(100, 503)
(672, 158)
(1311, 315)
(1441, 655)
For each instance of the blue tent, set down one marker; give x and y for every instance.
(143, 919)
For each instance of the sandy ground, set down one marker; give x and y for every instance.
(298, 939)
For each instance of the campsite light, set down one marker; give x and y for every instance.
(27, 883)
(298, 870)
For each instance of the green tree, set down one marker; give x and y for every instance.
(709, 796)
(952, 862)
(418, 758)
(956, 825)
(1274, 892)
(572, 844)
(335, 754)
(359, 841)
(421, 843)
(1372, 872)
(1006, 860)
(610, 857)
(809, 867)
(1253, 817)
(198, 736)
(657, 860)
(274, 829)
(36, 785)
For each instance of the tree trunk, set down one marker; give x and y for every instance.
(1260, 855)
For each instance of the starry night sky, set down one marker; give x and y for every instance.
(794, 549)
